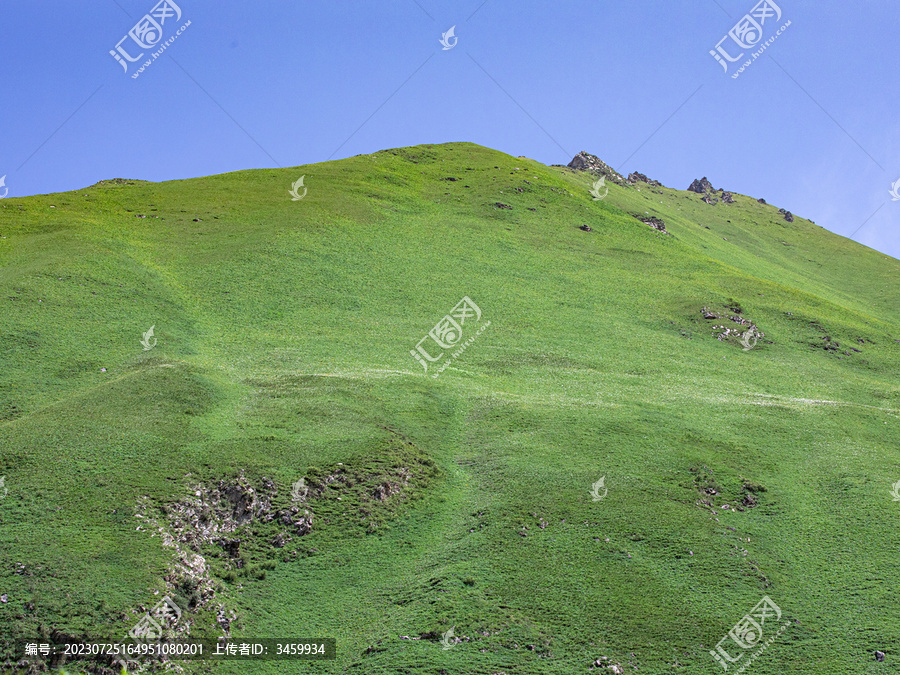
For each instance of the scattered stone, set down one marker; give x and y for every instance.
(747, 330)
(586, 228)
(761, 200)
(584, 161)
(383, 492)
(500, 205)
(4, 598)
(727, 197)
(829, 345)
(879, 656)
(451, 178)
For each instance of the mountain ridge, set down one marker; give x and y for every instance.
(732, 381)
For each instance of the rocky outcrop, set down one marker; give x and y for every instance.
(761, 200)
(710, 194)
(788, 216)
(584, 161)
(636, 177)
(702, 186)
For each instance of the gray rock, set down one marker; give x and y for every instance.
(635, 177)
(701, 186)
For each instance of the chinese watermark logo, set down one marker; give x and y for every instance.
(6, 189)
(150, 627)
(146, 34)
(147, 337)
(595, 191)
(749, 339)
(895, 492)
(448, 640)
(446, 37)
(448, 333)
(747, 34)
(596, 487)
(895, 190)
(296, 185)
(299, 490)
(747, 633)
(164, 615)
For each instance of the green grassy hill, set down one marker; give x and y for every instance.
(281, 350)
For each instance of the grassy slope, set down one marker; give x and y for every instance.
(284, 334)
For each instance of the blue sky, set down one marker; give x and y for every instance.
(811, 125)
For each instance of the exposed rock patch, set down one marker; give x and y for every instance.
(741, 330)
(657, 224)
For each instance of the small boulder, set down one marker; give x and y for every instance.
(585, 228)
(879, 656)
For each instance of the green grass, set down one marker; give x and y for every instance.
(284, 330)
